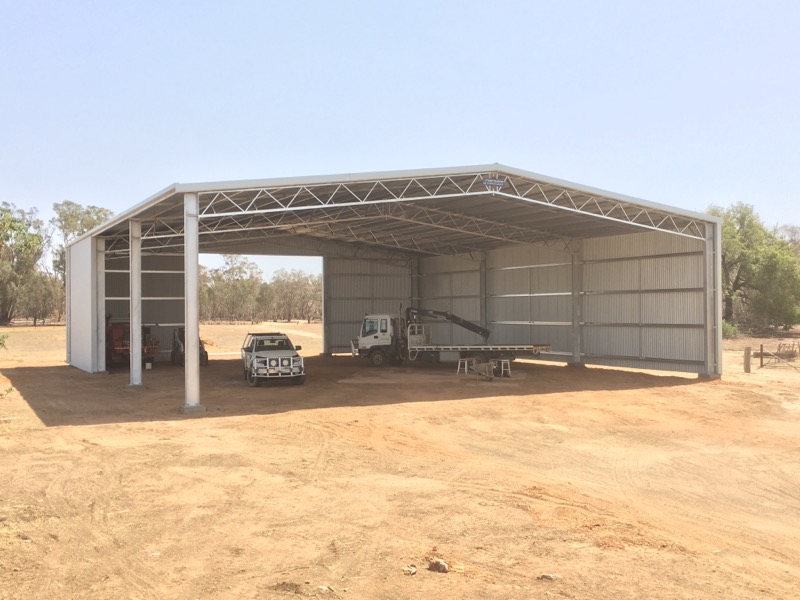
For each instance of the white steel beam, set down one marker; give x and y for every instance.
(191, 268)
(576, 337)
(713, 302)
(135, 232)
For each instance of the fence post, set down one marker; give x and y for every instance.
(747, 354)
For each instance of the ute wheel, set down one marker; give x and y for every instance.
(299, 380)
(204, 360)
(252, 380)
(378, 358)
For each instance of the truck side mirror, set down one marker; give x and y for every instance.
(298, 347)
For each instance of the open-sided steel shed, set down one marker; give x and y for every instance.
(604, 278)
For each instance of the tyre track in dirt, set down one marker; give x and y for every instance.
(78, 535)
(331, 484)
(681, 495)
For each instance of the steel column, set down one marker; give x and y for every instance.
(483, 284)
(135, 232)
(191, 304)
(713, 301)
(326, 305)
(577, 304)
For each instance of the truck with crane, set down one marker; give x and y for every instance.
(386, 338)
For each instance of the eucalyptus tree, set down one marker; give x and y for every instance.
(21, 248)
(760, 270)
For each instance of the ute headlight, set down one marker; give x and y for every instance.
(273, 362)
(285, 362)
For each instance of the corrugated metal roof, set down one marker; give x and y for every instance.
(424, 212)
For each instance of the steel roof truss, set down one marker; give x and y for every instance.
(316, 208)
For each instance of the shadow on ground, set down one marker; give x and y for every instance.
(66, 396)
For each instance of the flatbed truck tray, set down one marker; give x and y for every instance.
(533, 348)
(489, 351)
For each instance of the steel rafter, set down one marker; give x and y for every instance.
(604, 207)
(309, 197)
(462, 223)
(431, 223)
(357, 210)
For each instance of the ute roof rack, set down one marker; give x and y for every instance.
(273, 333)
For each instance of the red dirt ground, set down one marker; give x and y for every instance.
(559, 482)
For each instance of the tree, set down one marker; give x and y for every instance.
(265, 303)
(232, 291)
(71, 221)
(297, 295)
(776, 303)
(743, 235)
(21, 248)
(311, 298)
(238, 292)
(791, 233)
(759, 270)
(38, 297)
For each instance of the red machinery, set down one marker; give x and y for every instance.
(118, 344)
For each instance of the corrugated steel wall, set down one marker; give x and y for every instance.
(82, 316)
(641, 299)
(355, 287)
(644, 302)
(529, 296)
(451, 284)
(162, 295)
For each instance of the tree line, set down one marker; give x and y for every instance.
(237, 292)
(30, 286)
(760, 272)
(33, 274)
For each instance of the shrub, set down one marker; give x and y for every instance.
(729, 330)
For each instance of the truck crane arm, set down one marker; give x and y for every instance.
(413, 314)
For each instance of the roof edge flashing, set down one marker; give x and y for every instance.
(130, 213)
(332, 179)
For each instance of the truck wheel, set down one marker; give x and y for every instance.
(299, 380)
(479, 357)
(252, 380)
(378, 358)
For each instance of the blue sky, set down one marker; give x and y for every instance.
(677, 102)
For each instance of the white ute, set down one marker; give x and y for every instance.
(271, 356)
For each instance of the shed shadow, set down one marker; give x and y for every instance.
(66, 396)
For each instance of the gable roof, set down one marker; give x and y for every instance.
(418, 213)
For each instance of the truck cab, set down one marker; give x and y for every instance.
(381, 339)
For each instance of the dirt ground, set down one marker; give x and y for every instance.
(555, 483)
